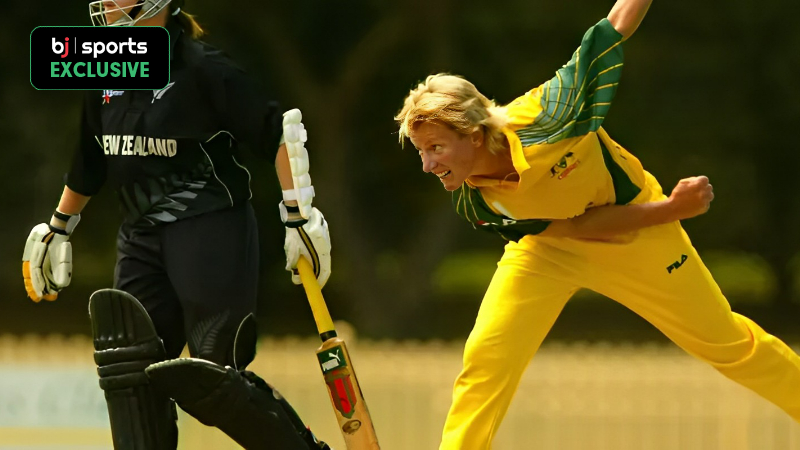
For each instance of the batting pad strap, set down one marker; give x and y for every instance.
(291, 194)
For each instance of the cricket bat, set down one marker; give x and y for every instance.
(349, 406)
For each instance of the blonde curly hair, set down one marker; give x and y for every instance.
(457, 103)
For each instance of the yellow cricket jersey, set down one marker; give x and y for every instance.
(565, 160)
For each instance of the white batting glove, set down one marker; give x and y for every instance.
(309, 238)
(47, 258)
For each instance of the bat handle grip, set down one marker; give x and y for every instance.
(315, 299)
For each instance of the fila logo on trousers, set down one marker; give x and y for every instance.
(677, 264)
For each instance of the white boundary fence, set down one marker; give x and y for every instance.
(572, 397)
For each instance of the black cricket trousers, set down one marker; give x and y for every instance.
(196, 277)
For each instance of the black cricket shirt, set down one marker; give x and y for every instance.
(175, 152)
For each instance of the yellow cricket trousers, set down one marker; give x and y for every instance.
(658, 275)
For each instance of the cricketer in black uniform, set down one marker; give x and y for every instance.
(188, 245)
(187, 250)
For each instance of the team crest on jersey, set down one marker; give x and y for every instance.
(337, 377)
(108, 94)
(565, 166)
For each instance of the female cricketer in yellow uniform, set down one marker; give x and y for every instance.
(543, 173)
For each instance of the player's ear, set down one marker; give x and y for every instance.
(477, 137)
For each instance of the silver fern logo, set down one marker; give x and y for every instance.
(158, 93)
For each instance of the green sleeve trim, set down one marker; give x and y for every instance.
(576, 100)
(624, 188)
(471, 206)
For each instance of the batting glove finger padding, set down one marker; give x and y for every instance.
(47, 260)
(295, 137)
(313, 241)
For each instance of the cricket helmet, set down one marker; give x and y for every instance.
(131, 14)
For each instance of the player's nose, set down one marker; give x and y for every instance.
(428, 164)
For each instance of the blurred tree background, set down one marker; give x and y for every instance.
(708, 89)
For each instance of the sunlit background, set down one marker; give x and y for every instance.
(708, 88)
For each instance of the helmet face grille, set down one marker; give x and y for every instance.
(128, 15)
(97, 14)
